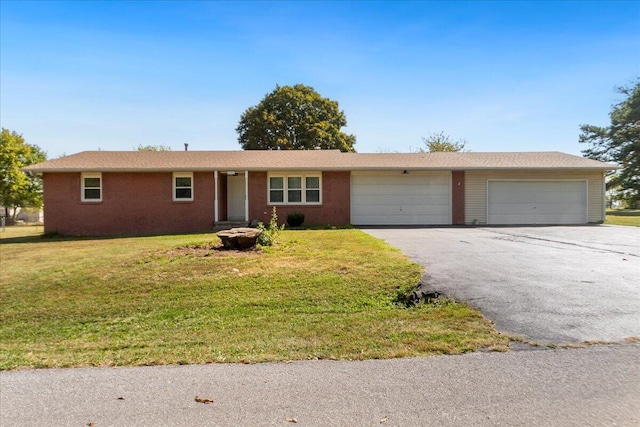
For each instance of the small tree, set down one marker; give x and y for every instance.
(441, 142)
(269, 233)
(17, 189)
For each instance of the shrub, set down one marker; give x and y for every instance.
(268, 234)
(295, 219)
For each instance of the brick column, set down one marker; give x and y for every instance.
(457, 196)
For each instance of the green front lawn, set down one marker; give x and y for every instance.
(171, 300)
(623, 217)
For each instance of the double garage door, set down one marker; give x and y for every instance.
(401, 199)
(425, 199)
(537, 202)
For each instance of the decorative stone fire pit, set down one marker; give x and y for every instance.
(239, 238)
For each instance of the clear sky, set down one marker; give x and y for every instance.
(505, 76)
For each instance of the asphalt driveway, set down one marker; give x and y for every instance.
(562, 284)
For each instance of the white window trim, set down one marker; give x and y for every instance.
(285, 177)
(173, 186)
(82, 187)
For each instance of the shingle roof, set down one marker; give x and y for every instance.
(141, 161)
(187, 160)
(474, 161)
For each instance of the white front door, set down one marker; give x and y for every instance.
(236, 197)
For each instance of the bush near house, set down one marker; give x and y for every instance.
(295, 219)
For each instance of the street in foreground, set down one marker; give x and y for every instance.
(599, 385)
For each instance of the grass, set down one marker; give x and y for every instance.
(69, 302)
(623, 217)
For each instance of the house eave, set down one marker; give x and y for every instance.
(328, 169)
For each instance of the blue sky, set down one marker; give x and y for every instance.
(505, 76)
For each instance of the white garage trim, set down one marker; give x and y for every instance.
(537, 201)
(401, 198)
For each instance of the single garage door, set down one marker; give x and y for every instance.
(537, 202)
(400, 199)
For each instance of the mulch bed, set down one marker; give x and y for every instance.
(209, 250)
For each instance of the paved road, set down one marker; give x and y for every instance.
(547, 284)
(596, 386)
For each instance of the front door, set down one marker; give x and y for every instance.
(236, 197)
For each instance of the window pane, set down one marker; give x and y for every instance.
(295, 196)
(313, 196)
(294, 182)
(92, 194)
(92, 182)
(183, 193)
(183, 181)
(276, 196)
(313, 182)
(276, 182)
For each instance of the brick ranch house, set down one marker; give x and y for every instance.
(102, 193)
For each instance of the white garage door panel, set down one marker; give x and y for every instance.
(519, 196)
(400, 220)
(400, 199)
(411, 187)
(537, 202)
(532, 208)
(386, 210)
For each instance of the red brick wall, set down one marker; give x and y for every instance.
(132, 203)
(335, 208)
(457, 196)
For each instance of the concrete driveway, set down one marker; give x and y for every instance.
(562, 284)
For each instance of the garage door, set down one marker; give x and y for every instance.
(537, 202)
(400, 199)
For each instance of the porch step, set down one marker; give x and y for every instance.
(227, 225)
